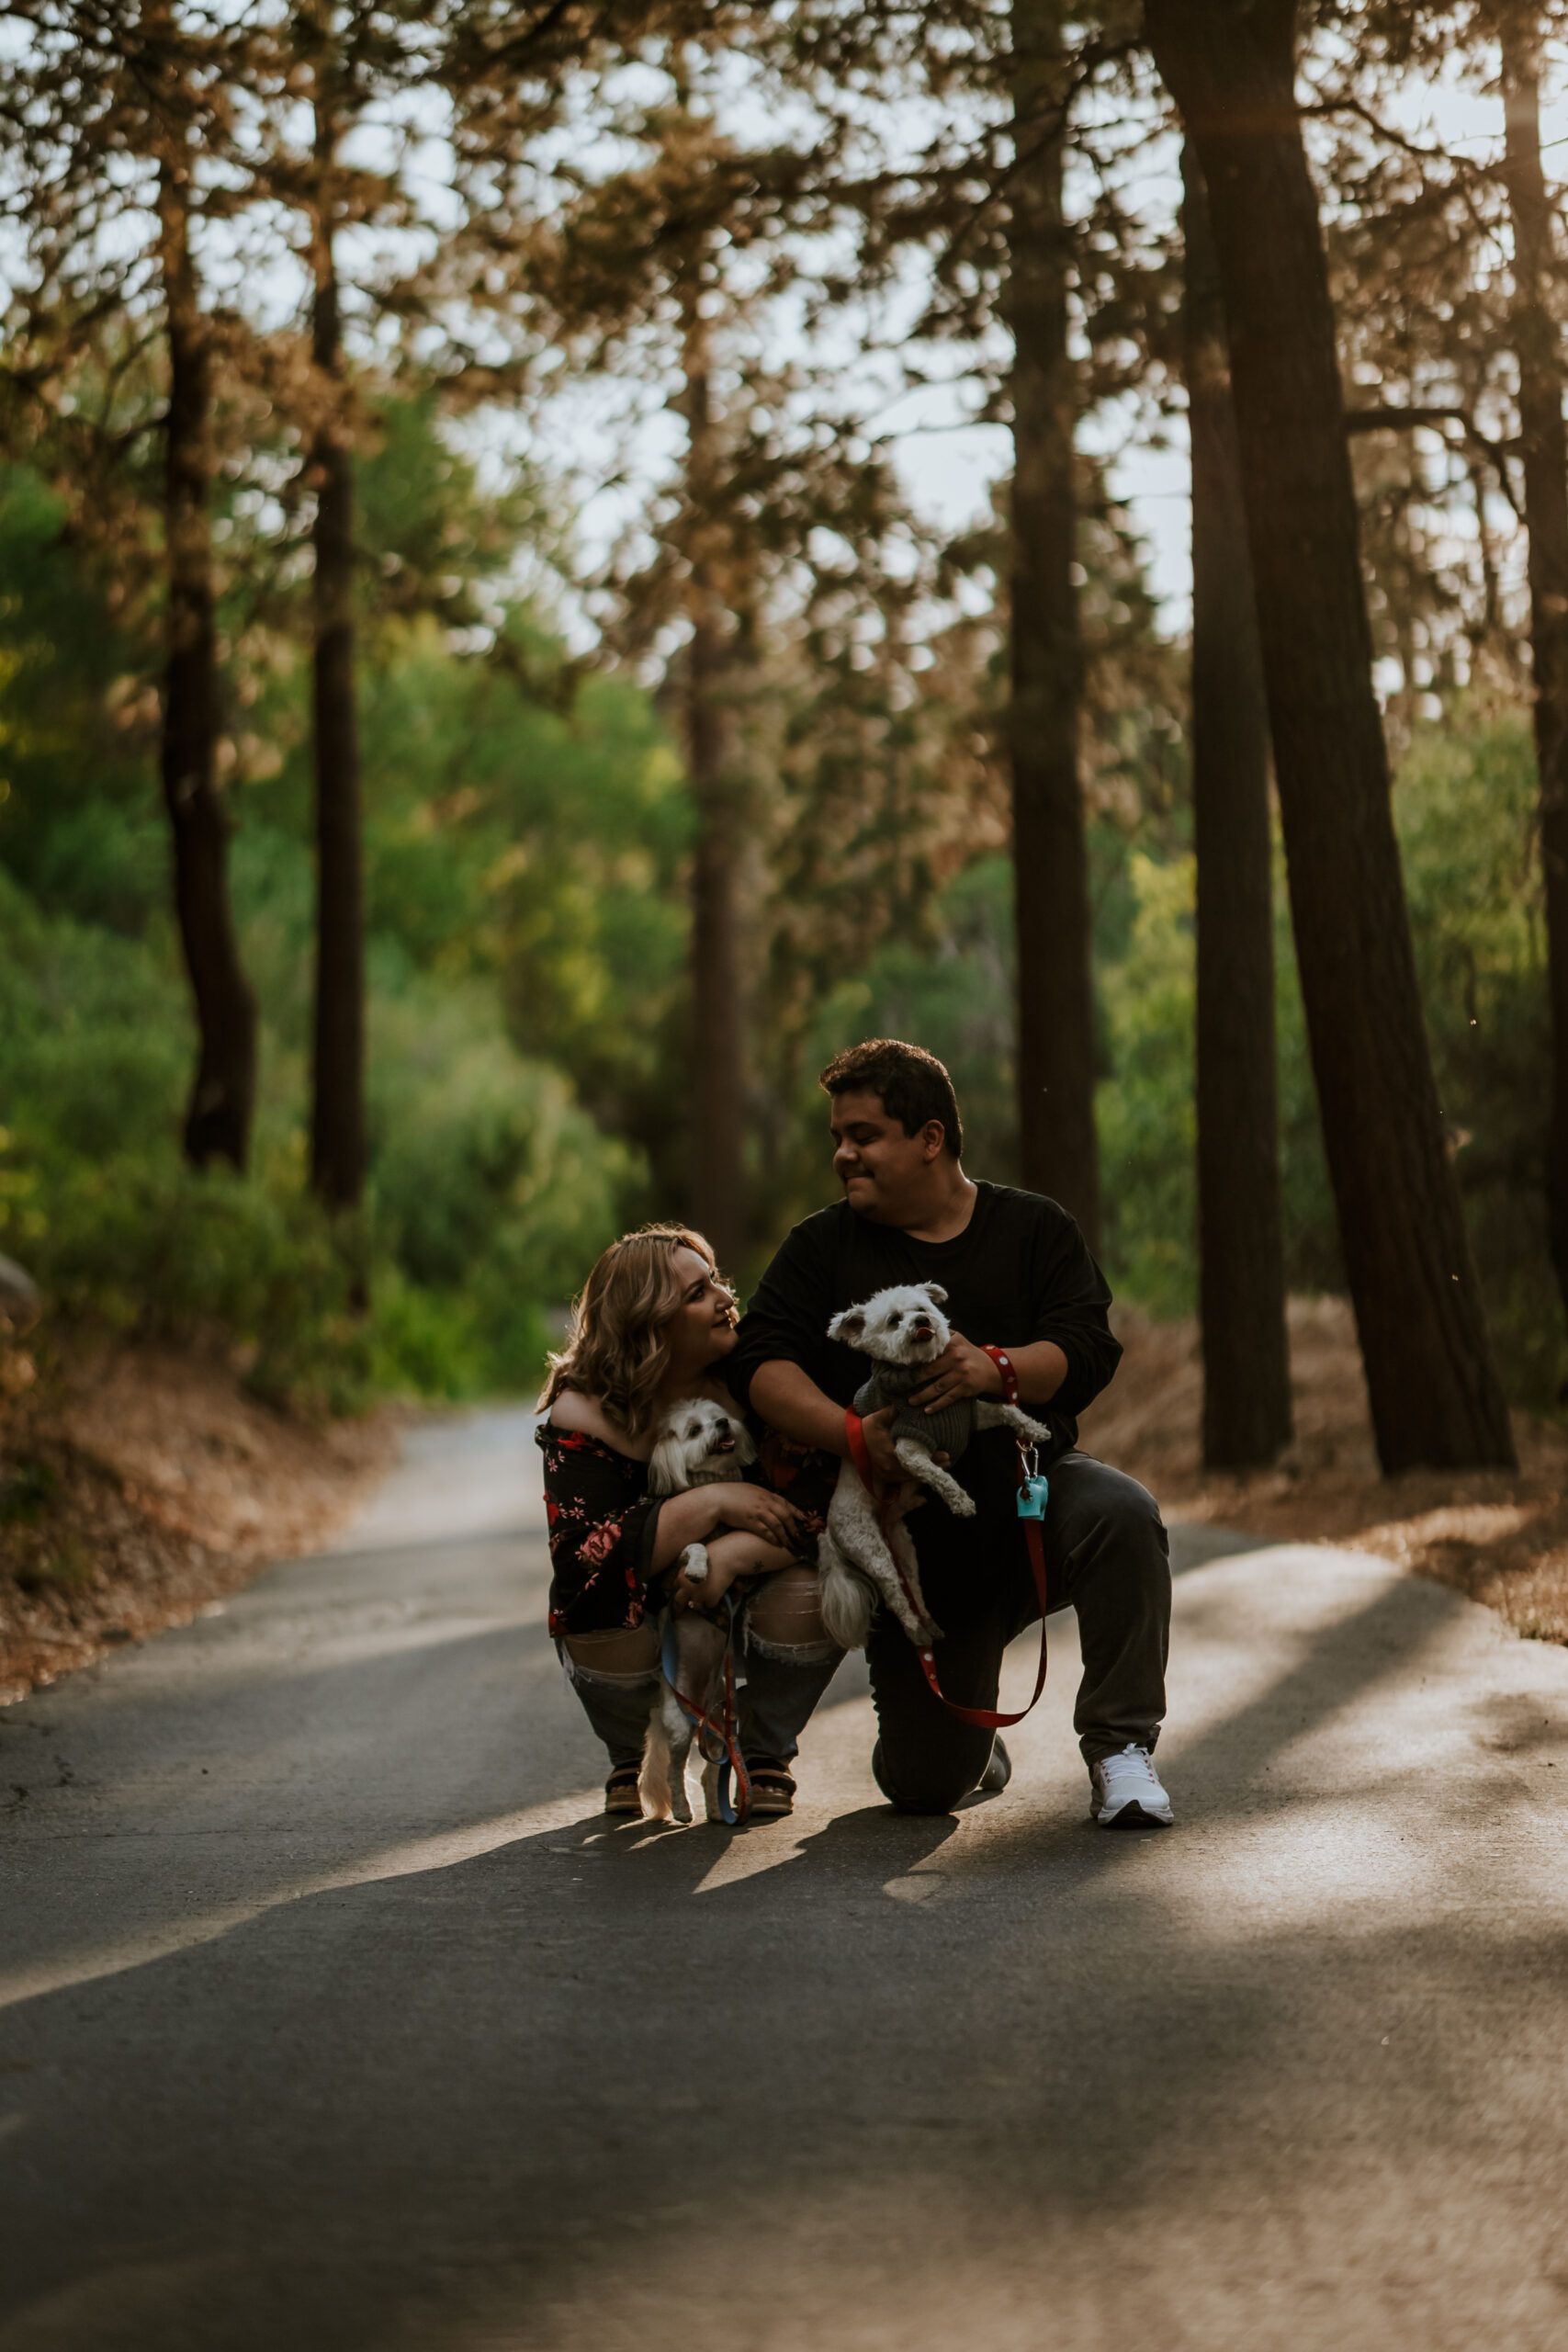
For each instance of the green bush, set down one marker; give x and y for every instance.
(492, 1191)
(489, 1193)
(1465, 806)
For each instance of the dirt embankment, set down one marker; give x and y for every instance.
(138, 1486)
(1500, 1536)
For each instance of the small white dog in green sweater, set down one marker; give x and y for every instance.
(903, 1330)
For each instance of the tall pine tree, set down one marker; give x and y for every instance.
(1435, 1395)
(1246, 1371)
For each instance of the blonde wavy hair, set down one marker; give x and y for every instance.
(619, 1347)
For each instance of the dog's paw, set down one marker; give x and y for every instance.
(712, 1809)
(921, 1631)
(960, 1503)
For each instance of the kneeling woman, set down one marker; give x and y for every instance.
(653, 1323)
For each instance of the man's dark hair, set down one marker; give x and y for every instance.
(913, 1085)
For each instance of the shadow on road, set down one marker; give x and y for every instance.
(855, 2080)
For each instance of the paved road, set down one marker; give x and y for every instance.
(331, 2017)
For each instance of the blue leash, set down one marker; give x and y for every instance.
(734, 1786)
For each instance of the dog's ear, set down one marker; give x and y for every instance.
(935, 1293)
(667, 1465)
(848, 1327)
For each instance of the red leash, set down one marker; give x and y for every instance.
(988, 1718)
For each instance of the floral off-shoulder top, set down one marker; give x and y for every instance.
(603, 1520)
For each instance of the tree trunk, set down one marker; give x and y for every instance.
(719, 1053)
(1055, 993)
(217, 1120)
(337, 1129)
(1545, 449)
(1230, 65)
(1247, 1369)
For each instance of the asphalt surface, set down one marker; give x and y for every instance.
(331, 2017)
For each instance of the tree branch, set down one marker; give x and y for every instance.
(1404, 420)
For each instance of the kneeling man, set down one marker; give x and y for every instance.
(1018, 1277)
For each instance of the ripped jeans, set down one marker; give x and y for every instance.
(783, 1653)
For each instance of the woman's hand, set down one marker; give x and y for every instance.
(684, 1594)
(757, 1510)
(729, 1556)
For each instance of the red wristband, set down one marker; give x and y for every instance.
(859, 1452)
(1003, 1362)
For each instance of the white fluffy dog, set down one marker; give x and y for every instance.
(903, 1330)
(699, 1444)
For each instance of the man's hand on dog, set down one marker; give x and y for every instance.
(960, 1371)
(877, 1430)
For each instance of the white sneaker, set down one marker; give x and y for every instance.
(1125, 1792)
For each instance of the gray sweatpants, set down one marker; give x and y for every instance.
(1105, 1553)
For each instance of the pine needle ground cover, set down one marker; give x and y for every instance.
(138, 1484)
(1499, 1537)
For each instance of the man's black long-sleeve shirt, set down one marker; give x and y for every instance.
(1018, 1272)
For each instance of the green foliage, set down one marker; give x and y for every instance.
(1465, 806)
(958, 1002)
(494, 828)
(25, 1492)
(527, 834)
(1313, 1262)
(67, 1568)
(493, 1190)
(78, 825)
(956, 998)
(1148, 1128)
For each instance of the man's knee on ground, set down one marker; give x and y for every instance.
(930, 1783)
